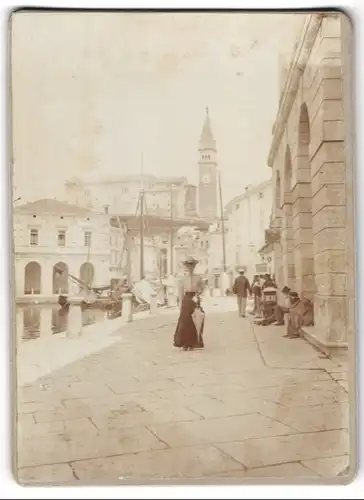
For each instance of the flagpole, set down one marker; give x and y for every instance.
(222, 224)
(142, 219)
(171, 232)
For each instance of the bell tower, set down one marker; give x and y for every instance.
(207, 166)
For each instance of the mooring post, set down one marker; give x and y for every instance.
(126, 307)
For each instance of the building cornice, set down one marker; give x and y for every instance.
(296, 69)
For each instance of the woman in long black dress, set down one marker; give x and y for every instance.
(186, 335)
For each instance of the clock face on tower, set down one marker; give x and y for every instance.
(205, 179)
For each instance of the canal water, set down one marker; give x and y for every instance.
(39, 321)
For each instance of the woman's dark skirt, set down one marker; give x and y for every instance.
(186, 334)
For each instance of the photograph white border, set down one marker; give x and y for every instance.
(9, 488)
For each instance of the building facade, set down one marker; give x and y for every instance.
(216, 252)
(121, 195)
(310, 157)
(191, 200)
(53, 238)
(118, 253)
(191, 242)
(248, 215)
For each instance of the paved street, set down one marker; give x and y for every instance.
(252, 404)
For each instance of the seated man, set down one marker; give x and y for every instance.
(300, 314)
(283, 305)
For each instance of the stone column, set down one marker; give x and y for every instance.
(278, 265)
(153, 304)
(126, 310)
(19, 275)
(287, 244)
(302, 229)
(347, 48)
(73, 286)
(47, 278)
(328, 170)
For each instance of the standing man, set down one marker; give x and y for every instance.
(240, 289)
(257, 292)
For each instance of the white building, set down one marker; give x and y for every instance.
(118, 254)
(155, 259)
(216, 252)
(51, 235)
(188, 242)
(248, 216)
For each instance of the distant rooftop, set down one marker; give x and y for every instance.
(97, 178)
(52, 206)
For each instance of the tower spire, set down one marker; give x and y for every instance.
(207, 140)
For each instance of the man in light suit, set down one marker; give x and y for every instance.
(241, 288)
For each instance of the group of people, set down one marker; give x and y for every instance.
(190, 326)
(242, 289)
(297, 309)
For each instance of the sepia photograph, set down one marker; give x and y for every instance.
(183, 247)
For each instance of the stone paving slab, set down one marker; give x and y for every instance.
(328, 467)
(250, 405)
(303, 394)
(285, 449)
(55, 474)
(280, 471)
(85, 444)
(216, 430)
(186, 462)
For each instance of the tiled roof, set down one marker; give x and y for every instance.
(105, 179)
(52, 206)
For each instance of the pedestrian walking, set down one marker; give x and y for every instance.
(190, 326)
(241, 289)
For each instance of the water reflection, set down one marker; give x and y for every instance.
(40, 321)
(31, 323)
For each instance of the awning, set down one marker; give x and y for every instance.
(266, 249)
(159, 223)
(272, 235)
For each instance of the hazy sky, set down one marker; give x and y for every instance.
(92, 91)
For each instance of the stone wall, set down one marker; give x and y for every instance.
(348, 97)
(309, 160)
